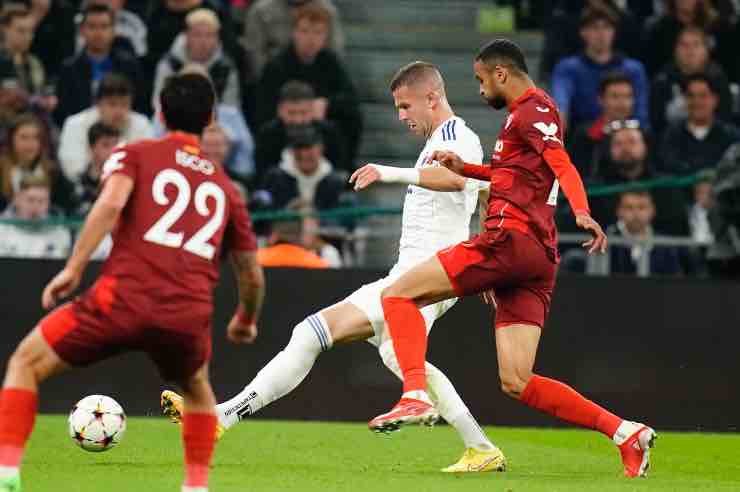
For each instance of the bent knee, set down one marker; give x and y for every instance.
(513, 384)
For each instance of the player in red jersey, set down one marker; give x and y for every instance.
(513, 262)
(171, 212)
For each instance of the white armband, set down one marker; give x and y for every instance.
(405, 175)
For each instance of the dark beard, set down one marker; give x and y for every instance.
(629, 168)
(496, 102)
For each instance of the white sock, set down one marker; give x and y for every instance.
(446, 400)
(282, 374)
(9, 471)
(418, 395)
(625, 431)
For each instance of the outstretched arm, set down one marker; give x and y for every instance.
(99, 223)
(251, 282)
(432, 178)
(454, 163)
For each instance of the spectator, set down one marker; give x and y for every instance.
(586, 145)
(635, 213)
(308, 60)
(628, 164)
(200, 45)
(269, 27)
(54, 39)
(285, 249)
(296, 107)
(662, 31)
(25, 155)
(131, 32)
(304, 173)
(561, 29)
(575, 80)
(691, 57)
(112, 107)
(699, 141)
(16, 60)
(228, 151)
(81, 75)
(101, 139)
(35, 239)
(166, 20)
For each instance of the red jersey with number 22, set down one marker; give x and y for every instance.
(524, 190)
(182, 212)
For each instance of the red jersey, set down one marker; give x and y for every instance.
(183, 211)
(524, 189)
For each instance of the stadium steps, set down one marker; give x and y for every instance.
(384, 35)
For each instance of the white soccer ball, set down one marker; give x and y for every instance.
(97, 423)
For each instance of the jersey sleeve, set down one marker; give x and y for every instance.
(239, 234)
(539, 126)
(124, 160)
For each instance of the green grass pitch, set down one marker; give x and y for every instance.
(296, 456)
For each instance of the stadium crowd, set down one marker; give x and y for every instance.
(650, 90)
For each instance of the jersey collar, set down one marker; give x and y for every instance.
(184, 138)
(442, 125)
(527, 94)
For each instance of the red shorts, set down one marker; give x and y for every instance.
(101, 324)
(512, 265)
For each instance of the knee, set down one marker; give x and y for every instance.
(390, 291)
(23, 362)
(513, 383)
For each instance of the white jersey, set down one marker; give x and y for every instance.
(434, 220)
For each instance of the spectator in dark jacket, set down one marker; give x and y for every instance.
(308, 60)
(54, 40)
(691, 57)
(561, 29)
(628, 164)
(699, 141)
(586, 144)
(199, 44)
(575, 80)
(304, 173)
(636, 212)
(296, 107)
(80, 75)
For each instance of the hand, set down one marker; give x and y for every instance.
(448, 159)
(598, 243)
(365, 176)
(488, 298)
(239, 332)
(60, 286)
(320, 107)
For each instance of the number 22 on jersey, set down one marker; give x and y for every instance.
(161, 233)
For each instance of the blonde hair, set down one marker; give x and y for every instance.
(203, 16)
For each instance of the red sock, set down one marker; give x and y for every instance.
(409, 333)
(199, 438)
(17, 415)
(562, 401)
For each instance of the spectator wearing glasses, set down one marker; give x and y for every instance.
(575, 80)
(636, 213)
(628, 163)
(33, 239)
(690, 57)
(586, 144)
(699, 141)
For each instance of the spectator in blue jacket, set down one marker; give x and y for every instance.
(576, 79)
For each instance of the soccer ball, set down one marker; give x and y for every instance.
(97, 423)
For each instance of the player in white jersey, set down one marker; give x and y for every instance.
(436, 214)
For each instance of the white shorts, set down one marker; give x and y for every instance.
(367, 300)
